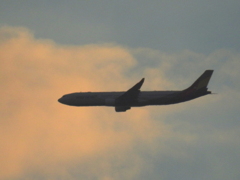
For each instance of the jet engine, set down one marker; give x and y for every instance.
(121, 108)
(110, 102)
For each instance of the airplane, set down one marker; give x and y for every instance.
(123, 101)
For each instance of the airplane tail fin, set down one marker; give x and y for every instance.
(200, 85)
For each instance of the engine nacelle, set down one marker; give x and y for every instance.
(122, 108)
(110, 102)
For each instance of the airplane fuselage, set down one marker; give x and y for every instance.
(145, 98)
(133, 97)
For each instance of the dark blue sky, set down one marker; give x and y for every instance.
(199, 26)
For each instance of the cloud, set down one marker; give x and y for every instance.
(43, 139)
(39, 135)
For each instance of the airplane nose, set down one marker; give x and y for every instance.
(60, 100)
(64, 100)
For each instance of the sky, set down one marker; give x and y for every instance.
(51, 48)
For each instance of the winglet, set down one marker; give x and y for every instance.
(131, 94)
(137, 86)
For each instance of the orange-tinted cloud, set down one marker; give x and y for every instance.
(42, 138)
(40, 135)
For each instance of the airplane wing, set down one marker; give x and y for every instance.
(131, 95)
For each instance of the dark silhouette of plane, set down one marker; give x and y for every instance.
(123, 101)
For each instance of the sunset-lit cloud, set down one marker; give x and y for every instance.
(37, 132)
(42, 138)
